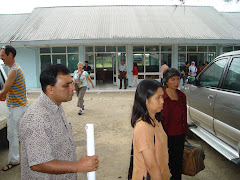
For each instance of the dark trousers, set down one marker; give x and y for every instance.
(175, 150)
(123, 77)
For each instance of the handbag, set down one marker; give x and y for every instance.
(193, 159)
(79, 83)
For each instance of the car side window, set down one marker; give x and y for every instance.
(232, 81)
(212, 75)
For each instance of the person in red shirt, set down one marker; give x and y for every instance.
(174, 119)
(135, 74)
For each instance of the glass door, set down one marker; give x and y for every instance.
(104, 67)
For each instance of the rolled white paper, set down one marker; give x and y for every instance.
(90, 147)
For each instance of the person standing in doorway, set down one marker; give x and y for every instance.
(135, 75)
(123, 74)
(205, 65)
(193, 69)
(15, 90)
(185, 71)
(164, 67)
(88, 69)
(199, 67)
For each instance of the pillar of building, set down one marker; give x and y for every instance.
(175, 56)
(81, 54)
(129, 63)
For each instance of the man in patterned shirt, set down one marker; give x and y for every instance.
(15, 92)
(48, 149)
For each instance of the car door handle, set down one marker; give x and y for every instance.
(210, 97)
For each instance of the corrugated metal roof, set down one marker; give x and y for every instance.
(233, 18)
(122, 22)
(9, 26)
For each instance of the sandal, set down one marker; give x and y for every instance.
(9, 166)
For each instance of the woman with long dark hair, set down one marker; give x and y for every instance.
(174, 120)
(150, 154)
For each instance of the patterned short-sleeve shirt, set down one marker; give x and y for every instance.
(45, 136)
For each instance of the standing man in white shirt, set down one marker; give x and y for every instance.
(123, 74)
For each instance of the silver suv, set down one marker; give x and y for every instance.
(3, 108)
(213, 102)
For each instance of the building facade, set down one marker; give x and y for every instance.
(104, 35)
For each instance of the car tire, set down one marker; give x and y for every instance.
(3, 137)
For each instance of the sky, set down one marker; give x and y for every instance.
(26, 6)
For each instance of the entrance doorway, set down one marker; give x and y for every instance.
(104, 67)
(193, 57)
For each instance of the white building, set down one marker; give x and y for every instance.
(103, 35)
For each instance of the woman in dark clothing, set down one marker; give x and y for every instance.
(174, 116)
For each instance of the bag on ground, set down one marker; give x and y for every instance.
(193, 157)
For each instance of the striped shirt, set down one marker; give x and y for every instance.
(17, 94)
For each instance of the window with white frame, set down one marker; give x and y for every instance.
(195, 53)
(148, 59)
(68, 56)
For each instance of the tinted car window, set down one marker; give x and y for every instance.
(233, 77)
(212, 75)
